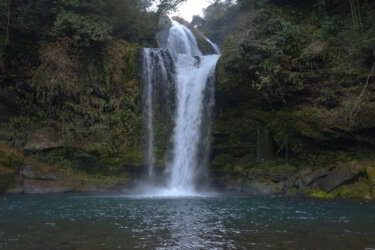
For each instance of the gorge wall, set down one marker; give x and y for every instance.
(294, 95)
(294, 107)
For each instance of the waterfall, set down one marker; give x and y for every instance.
(192, 75)
(214, 46)
(158, 76)
(182, 41)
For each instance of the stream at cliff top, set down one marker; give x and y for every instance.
(211, 222)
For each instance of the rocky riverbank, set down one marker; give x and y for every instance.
(21, 174)
(352, 180)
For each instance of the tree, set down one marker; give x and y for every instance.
(85, 21)
(130, 19)
(166, 6)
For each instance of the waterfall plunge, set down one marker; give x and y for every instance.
(159, 83)
(191, 74)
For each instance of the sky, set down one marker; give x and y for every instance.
(190, 8)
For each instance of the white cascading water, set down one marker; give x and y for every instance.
(148, 111)
(182, 41)
(192, 73)
(155, 75)
(192, 77)
(214, 46)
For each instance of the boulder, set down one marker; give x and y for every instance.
(47, 173)
(357, 190)
(339, 176)
(307, 177)
(45, 187)
(43, 139)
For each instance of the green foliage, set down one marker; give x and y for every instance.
(84, 29)
(250, 3)
(78, 77)
(10, 161)
(298, 68)
(100, 116)
(10, 157)
(273, 42)
(166, 6)
(82, 181)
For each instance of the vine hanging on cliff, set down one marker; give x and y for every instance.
(356, 15)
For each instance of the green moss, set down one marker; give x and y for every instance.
(100, 123)
(317, 193)
(82, 180)
(358, 190)
(7, 177)
(281, 169)
(264, 180)
(10, 161)
(371, 174)
(293, 190)
(203, 45)
(298, 82)
(10, 157)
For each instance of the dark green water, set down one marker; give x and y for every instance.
(120, 222)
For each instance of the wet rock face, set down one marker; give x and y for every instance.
(43, 139)
(351, 180)
(45, 187)
(34, 179)
(31, 172)
(339, 176)
(307, 177)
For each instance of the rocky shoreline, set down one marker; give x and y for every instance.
(23, 174)
(351, 180)
(32, 180)
(348, 182)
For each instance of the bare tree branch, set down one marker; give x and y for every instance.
(355, 108)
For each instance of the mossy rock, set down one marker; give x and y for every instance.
(84, 182)
(370, 171)
(44, 138)
(314, 193)
(358, 190)
(281, 170)
(320, 194)
(340, 175)
(10, 157)
(7, 177)
(34, 169)
(10, 161)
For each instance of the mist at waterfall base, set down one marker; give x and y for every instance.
(178, 78)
